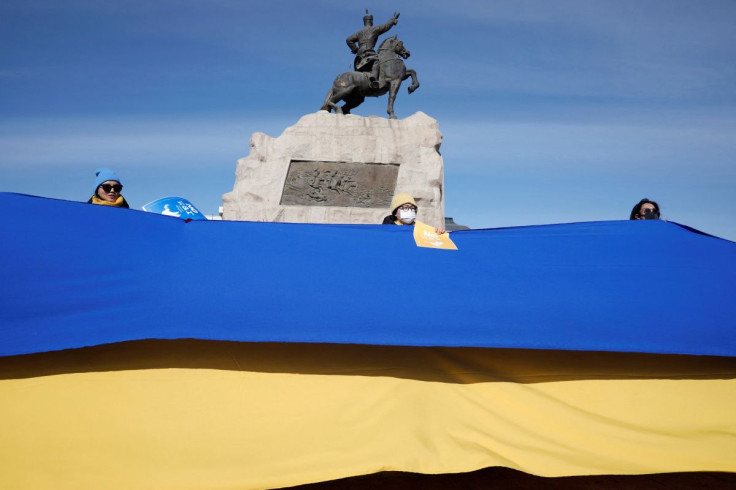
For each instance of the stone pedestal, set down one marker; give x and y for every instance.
(331, 168)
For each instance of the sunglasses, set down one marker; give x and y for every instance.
(112, 187)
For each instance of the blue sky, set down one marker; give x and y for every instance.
(552, 110)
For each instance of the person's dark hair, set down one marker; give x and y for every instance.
(635, 211)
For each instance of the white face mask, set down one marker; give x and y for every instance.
(407, 216)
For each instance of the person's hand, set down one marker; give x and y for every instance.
(396, 18)
(439, 231)
(353, 49)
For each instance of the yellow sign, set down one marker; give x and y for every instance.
(425, 236)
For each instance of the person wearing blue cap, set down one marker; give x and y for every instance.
(107, 189)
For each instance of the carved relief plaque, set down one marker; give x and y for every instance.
(361, 185)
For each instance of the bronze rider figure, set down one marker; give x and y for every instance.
(363, 42)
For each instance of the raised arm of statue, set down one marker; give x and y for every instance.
(388, 25)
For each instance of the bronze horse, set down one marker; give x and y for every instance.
(353, 86)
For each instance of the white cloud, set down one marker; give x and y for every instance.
(605, 146)
(137, 141)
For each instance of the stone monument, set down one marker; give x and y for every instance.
(343, 168)
(334, 168)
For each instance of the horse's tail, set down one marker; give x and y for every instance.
(326, 104)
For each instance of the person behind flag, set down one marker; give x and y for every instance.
(107, 189)
(645, 209)
(404, 212)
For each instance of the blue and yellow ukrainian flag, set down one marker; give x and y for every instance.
(141, 351)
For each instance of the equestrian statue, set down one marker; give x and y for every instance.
(375, 73)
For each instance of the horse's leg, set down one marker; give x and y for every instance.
(343, 92)
(414, 80)
(332, 97)
(392, 91)
(342, 88)
(352, 102)
(332, 105)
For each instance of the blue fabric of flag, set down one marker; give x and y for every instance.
(74, 275)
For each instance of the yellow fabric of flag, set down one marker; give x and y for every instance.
(202, 415)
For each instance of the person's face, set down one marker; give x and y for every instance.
(403, 213)
(368, 22)
(643, 209)
(109, 190)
